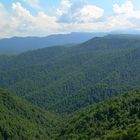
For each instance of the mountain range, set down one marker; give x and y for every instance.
(21, 44)
(86, 91)
(63, 79)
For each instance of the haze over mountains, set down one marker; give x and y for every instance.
(21, 44)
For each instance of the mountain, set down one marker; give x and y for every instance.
(20, 120)
(65, 79)
(116, 119)
(21, 44)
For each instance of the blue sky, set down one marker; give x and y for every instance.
(44, 17)
(48, 4)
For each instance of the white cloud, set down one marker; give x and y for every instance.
(85, 17)
(89, 13)
(20, 12)
(6, 23)
(69, 17)
(126, 15)
(22, 18)
(125, 8)
(46, 24)
(3, 14)
(78, 13)
(33, 3)
(20, 22)
(65, 5)
(118, 22)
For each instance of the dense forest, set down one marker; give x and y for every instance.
(89, 91)
(59, 77)
(20, 120)
(116, 119)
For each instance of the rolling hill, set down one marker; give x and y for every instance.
(65, 79)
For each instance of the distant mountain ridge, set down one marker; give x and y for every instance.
(21, 44)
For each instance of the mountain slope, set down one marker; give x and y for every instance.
(20, 120)
(116, 119)
(66, 77)
(21, 44)
(84, 97)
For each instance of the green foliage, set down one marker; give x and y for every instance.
(130, 133)
(116, 119)
(84, 97)
(79, 80)
(58, 78)
(20, 120)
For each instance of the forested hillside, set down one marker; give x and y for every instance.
(20, 120)
(117, 119)
(64, 79)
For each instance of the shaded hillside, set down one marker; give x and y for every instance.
(117, 119)
(64, 79)
(21, 44)
(21, 121)
(84, 97)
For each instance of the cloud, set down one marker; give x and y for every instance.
(118, 22)
(125, 8)
(46, 24)
(20, 12)
(69, 17)
(126, 15)
(20, 22)
(33, 3)
(88, 14)
(29, 24)
(78, 12)
(6, 24)
(3, 14)
(85, 17)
